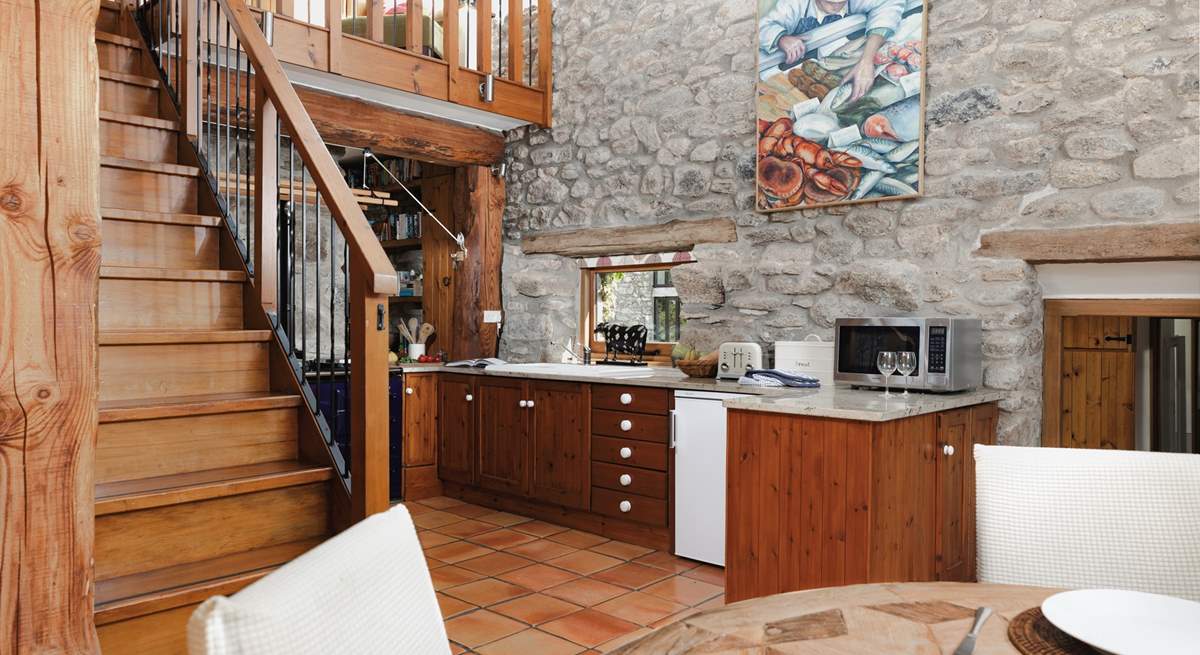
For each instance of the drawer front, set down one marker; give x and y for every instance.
(630, 425)
(640, 453)
(630, 507)
(631, 399)
(639, 481)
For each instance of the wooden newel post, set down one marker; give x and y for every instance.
(369, 488)
(266, 199)
(189, 86)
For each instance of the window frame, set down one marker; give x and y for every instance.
(657, 352)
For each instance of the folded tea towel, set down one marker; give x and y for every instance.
(774, 377)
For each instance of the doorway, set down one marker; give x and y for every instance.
(1122, 374)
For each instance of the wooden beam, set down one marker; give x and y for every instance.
(353, 122)
(369, 490)
(479, 208)
(676, 235)
(1099, 243)
(50, 239)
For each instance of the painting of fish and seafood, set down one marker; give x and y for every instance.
(840, 101)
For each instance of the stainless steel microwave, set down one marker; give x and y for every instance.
(949, 351)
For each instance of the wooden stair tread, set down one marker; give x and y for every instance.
(149, 166)
(199, 220)
(129, 78)
(153, 591)
(180, 274)
(144, 493)
(139, 337)
(139, 120)
(109, 37)
(112, 411)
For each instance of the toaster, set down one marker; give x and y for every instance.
(737, 357)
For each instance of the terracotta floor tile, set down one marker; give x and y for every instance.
(707, 573)
(495, 563)
(609, 646)
(432, 538)
(684, 590)
(621, 550)
(530, 642)
(452, 576)
(667, 561)
(538, 576)
(501, 539)
(466, 528)
(585, 591)
(632, 575)
(640, 608)
(456, 649)
(469, 511)
(416, 509)
(578, 538)
(487, 591)
(481, 627)
(452, 606)
(541, 550)
(433, 562)
(435, 519)
(667, 620)
(589, 627)
(440, 502)
(540, 528)
(458, 551)
(584, 562)
(536, 608)
(504, 519)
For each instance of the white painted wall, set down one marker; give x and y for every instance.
(1121, 280)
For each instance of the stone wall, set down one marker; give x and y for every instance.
(1040, 113)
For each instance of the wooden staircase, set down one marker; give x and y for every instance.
(201, 487)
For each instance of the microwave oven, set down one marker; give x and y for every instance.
(949, 351)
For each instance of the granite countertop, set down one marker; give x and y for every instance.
(838, 401)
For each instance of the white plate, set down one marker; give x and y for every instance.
(1126, 622)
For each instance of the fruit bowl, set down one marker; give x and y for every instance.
(697, 368)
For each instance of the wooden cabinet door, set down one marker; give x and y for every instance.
(983, 430)
(503, 435)
(420, 419)
(559, 443)
(951, 450)
(1096, 395)
(458, 440)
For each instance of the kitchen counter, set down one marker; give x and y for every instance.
(830, 402)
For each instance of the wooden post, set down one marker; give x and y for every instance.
(369, 489)
(189, 92)
(483, 33)
(545, 48)
(479, 209)
(415, 23)
(266, 199)
(450, 42)
(375, 20)
(333, 16)
(50, 240)
(516, 56)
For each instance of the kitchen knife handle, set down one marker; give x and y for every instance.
(981, 616)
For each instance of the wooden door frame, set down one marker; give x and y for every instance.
(1056, 309)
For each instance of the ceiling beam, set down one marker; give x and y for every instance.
(1098, 243)
(675, 236)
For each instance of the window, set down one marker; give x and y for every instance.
(641, 295)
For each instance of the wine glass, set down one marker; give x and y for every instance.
(886, 362)
(906, 363)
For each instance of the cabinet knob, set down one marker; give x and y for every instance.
(625, 479)
(625, 506)
(408, 390)
(626, 452)
(521, 403)
(469, 397)
(529, 403)
(626, 398)
(947, 449)
(626, 425)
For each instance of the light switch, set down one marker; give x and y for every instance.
(492, 316)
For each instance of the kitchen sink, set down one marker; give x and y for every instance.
(581, 370)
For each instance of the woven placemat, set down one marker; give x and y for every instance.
(1033, 634)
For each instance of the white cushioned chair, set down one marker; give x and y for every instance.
(366, 590)
(1074, 518)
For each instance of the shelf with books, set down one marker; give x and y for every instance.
(401, 244)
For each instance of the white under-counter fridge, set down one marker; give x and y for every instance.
(698, 436)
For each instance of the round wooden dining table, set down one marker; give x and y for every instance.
(913, 618)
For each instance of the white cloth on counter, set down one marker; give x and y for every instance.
(774, 377)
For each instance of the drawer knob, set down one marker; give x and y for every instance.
(626, 425)
(521, 403)
(408, 390)
(625, 505)
(529, 403)
(626, 398)
(947, 449)
(625, 479)
(626, 452)
(469, 397)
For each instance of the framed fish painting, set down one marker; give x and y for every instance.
(840, 102)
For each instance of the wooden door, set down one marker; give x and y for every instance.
(951, 450)
(503, 435)
(457, 445)
(420, 419)
(559, 443)
(1097, 385)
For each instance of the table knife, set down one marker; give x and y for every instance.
(968, 643)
